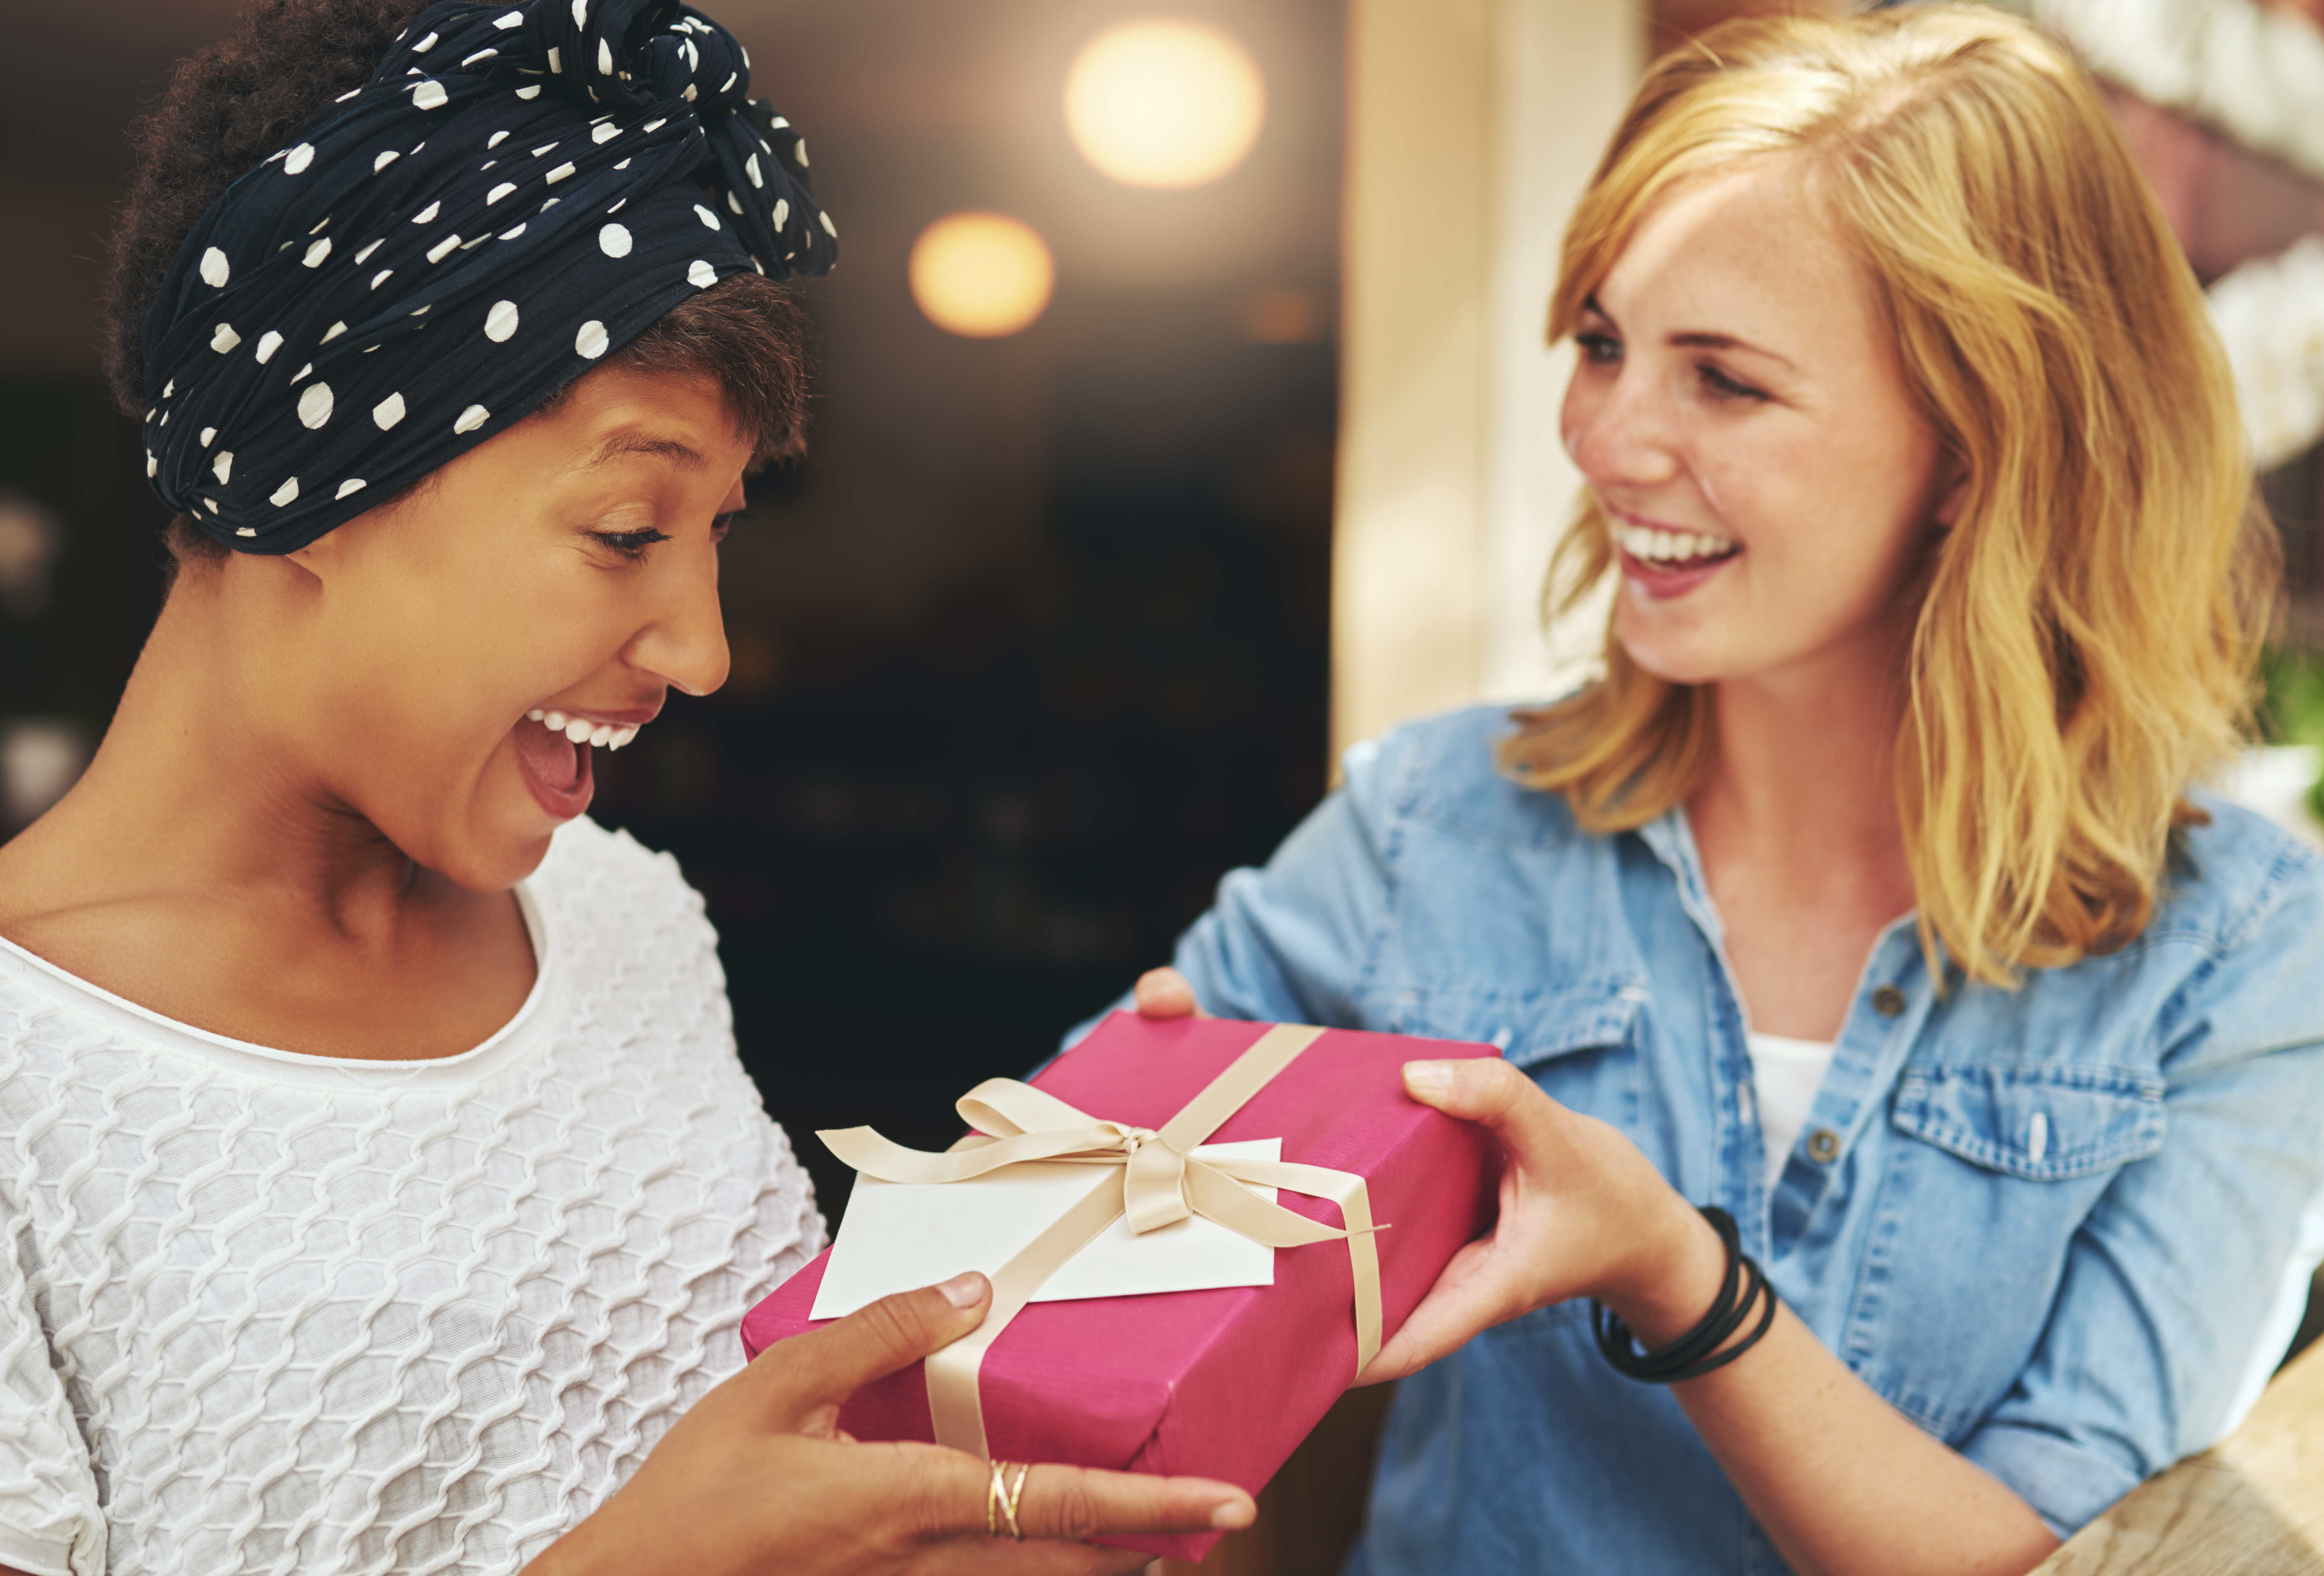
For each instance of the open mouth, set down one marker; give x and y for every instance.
(580, 730)
(1674, 551)
(553, 750)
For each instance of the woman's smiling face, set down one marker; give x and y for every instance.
(1740, 414)
(565, 571)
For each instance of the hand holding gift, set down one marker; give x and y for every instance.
(1097, 1356)
(1582, 1213)
(758, 1476)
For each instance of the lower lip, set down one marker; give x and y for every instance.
(562, 802)
(1663, 584)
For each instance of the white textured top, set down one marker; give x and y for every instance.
(262, 1312)
(1785, 1074)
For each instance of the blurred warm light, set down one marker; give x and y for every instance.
(1165, 102)
(981, 276)
(1281, 317)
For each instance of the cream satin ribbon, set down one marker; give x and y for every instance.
(1162, 1183)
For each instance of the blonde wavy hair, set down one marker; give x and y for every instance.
(2088, 630)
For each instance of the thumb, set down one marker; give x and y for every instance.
(823, 1367)
(1489, 1091)
(1163, 993)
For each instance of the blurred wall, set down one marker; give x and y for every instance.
(1474, 126)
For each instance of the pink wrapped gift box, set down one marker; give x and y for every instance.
(1219, 1384)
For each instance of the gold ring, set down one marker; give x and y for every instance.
(1000, 1500)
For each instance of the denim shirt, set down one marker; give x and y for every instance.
(2064, 1229)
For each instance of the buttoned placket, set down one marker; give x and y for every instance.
(1884, 1015)
(1735, 1122)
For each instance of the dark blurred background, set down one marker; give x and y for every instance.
(1029, 649)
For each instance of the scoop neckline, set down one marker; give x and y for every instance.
(307, 1066)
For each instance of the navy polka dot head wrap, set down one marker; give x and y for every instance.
(521, 187)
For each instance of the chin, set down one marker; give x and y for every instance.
(486, 839)
(496, 864)
(1673, 663)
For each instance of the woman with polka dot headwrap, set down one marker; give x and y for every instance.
(381, 1189)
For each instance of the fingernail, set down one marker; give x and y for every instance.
(1234, 1513)
(963, 1291)
(1428, 1077)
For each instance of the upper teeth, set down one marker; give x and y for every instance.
(582, 731)
(1669, 545)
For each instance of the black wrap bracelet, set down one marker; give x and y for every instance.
(1696, 1352)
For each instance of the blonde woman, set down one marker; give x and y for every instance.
(1869, 898)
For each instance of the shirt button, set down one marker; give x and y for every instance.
(1823, 1146)
(1888, 1001)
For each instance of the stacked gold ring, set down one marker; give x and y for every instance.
(1000, 1500)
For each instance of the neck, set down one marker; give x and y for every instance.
(1804, 776)
(197, 788)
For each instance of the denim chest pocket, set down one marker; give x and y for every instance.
(2041, 1124)
(1978, 1209)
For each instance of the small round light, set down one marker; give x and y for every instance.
(981, 276)
(1165, 102)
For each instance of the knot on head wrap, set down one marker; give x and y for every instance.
(519, 188)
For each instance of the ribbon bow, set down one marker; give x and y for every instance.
(1162, 1183)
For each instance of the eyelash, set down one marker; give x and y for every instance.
(1723, 387)
(1600, 348)
(630, 544)
(1604, 350)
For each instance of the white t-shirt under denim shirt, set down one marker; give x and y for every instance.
(262, 1312)
(1786, 1074)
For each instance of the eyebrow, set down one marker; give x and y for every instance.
(1703, 339)
(628, 443)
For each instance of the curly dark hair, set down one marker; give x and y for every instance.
(231, 104)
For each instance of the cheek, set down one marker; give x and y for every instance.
(1831, 506)
(451, 658)
(1576, 413)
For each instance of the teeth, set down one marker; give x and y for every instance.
(1670, 547)
(582, 731)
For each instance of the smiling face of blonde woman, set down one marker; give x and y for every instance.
(1739, 412)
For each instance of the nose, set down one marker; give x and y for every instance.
(685, 643)
(1618, 427)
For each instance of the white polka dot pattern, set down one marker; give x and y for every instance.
(304, 1315)
(448, 187)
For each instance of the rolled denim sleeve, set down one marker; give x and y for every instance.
(2184, 1283)
(1289, 943)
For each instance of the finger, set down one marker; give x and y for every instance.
(1465, 1299)
(1078, 1503)
(824, 1367)
(1489, 1091)
(1164, 993)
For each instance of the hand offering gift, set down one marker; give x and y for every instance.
(1142, 1161)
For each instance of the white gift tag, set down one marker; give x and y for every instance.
(900, 1236)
